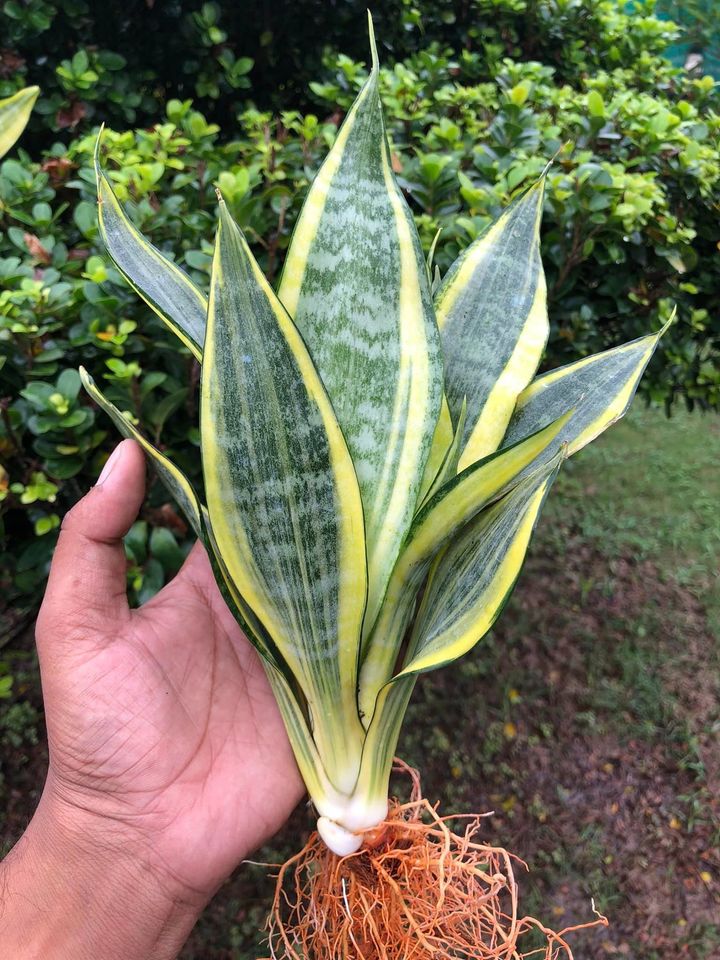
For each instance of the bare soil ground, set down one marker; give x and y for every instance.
(588, 722)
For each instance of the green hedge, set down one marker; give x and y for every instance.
(121, 61)
(630, 229)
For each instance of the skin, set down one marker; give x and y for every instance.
(168, 759)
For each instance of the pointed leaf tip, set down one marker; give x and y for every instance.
(492, 313)
(431, 253)
(668, 323)
(162, 284)
(605, 383)
(552, 160)
(373, 44)
(96, 157)
(355, 283)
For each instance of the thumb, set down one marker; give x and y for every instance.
(86, 588)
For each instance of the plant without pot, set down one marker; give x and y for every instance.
(375, 458)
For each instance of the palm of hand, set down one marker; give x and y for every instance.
(161, 720)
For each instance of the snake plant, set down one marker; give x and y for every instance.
(14, 114)
(375, 453)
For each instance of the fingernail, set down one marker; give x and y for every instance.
(109, 466)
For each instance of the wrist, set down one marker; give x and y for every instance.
(79, 886)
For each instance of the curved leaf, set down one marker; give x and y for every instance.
(442, 441)
(181, 490)
(175, 481)
(14, 114)
(472, 579)
(492, 314)
(382, 738)
(246, 618)
(282, 494)
(449, 466)
(288, 700)
(599, 388)
(438, 521)
(166, 288)
(303, 746)
(468, 585)
(355, 283)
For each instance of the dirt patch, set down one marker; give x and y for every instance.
(588, 722)
(23, 747)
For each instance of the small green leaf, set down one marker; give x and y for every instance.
(164, 547)
(166, 407)
(519, 93)
(86, 218)
(69, 383)
(135, 541)
(174, 480)
(596, 106)
(153, 580)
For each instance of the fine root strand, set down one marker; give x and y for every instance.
(418, 890)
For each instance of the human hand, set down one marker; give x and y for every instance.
(164, 736)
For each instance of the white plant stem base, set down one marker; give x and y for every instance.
(341, 827)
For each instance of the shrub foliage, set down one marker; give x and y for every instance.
(495, 93)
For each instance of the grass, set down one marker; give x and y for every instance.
(652, 485)
(588, 720)
(590, 716)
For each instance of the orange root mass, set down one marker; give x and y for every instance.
(416, 890)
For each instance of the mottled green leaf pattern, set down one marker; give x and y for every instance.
(282, 494)
(471, 580)
(449, 465)
(355, 283)
(442, 441)
(599, 388)
(437, 522)
(174, 480)
(369, 503)
(492, 315)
